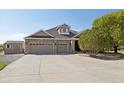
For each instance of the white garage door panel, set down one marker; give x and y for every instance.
(62, 49)
(41, 49)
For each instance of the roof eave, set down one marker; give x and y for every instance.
(54, 38)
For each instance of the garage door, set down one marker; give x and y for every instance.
(41, 49)
(62, 49)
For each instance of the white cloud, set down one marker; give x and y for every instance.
(16, 36)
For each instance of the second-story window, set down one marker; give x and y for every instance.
(64, 30)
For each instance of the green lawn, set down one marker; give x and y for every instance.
(2, 65)
(1, 52)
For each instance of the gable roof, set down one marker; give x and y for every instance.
(8, 42)
(41, 34)
(53, 33)
(78, 35)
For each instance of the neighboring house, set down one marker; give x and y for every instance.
(57, 40)
(14, 47)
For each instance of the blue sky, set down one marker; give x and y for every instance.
(16, 24)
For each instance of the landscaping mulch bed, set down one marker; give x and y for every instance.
(104, 56)
(108, 56)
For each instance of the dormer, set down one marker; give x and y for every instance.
(64, 29)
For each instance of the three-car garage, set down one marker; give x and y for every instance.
(48, 47)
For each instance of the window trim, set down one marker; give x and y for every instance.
(61, 31)
(8, 45)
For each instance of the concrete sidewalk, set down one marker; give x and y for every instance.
(62, 68)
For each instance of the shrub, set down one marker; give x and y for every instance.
(74, 52)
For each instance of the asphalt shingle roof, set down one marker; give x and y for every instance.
(53, 33)
(40, 34)
(14, 42)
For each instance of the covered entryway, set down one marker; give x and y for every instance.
(41, 49)
(77, 48)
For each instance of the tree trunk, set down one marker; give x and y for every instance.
(115, 49)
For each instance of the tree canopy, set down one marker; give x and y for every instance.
(106, 32)
(95, 40)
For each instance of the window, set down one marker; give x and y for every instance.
(8, 46)
(59, 30)
(63, 31)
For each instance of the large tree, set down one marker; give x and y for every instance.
(113, 23)
(107, 32)
(95, 40)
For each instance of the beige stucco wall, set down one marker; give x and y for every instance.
(73, 45)
(15, 48)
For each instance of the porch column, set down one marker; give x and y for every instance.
(72, 45)
(54, 47)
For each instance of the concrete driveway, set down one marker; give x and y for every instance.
(10, 58)
(62, 68)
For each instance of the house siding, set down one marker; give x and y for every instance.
(16, 48)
